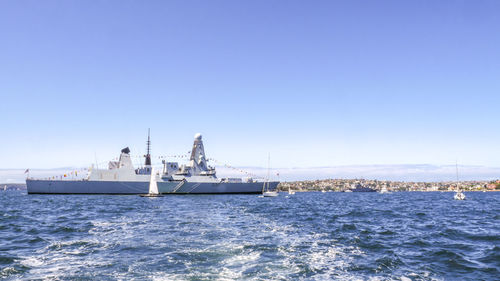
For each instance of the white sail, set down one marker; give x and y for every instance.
(153, 187)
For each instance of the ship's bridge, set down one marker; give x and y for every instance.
(121, 170)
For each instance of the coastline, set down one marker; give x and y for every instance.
(340, 185)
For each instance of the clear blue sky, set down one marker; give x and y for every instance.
(315, 83)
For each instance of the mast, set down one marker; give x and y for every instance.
(458, 195)
(268, 165)
(268, 168)
(148, 151)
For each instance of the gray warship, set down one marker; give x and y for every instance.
(195, 177)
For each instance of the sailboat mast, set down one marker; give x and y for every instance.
(268, 165)
(458, 195)
(268, 168)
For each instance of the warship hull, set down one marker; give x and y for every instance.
(213, 188)
(122, 187)
(85, 187)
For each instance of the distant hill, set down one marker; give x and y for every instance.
(12, 186)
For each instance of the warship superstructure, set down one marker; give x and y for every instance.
(195, 177)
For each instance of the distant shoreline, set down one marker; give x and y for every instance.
(378, 185)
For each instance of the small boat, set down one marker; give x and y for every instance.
(384, 190)
(270, 194)
(153, 186)
(459, 196)
(266, 192)
(291, 192)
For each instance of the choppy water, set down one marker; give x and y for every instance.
(308, 236)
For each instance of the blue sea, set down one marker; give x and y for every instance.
(306, 236)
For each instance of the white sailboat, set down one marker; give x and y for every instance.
(291, 192)
(384, 190)
(459, 195)
(153, 186)
(266, 192)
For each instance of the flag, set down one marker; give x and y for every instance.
(27, 171)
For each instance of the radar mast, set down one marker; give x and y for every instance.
(148, 151)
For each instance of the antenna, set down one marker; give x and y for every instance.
(148, 150)
(149, 140)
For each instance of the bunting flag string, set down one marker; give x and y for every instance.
(83, 172)
(174, 156)
(234, 168)
(74, 174)
(217, 163)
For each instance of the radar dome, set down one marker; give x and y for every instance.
(197, 136)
